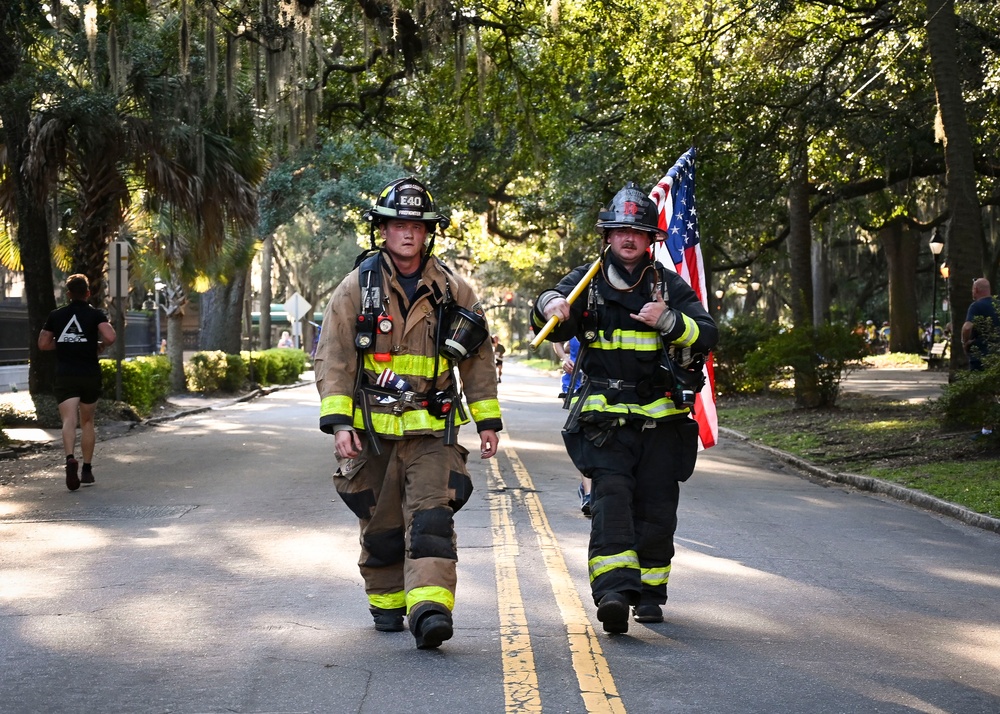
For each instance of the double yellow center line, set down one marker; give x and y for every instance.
(521, 690)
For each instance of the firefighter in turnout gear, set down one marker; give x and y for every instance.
(643, 335)
(394, 333)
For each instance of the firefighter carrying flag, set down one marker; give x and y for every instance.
(644, 334)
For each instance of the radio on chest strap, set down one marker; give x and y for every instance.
(372, 319)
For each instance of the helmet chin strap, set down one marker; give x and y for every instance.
(614, 278)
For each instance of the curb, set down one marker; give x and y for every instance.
(875, 485)
(249, 397)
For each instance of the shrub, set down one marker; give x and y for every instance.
(24, 409)
(145, 381)
(217, 371)
(280, 365)
(206, 371)
(236, 374)
(824, 355)
(973, 399)
(738, 338)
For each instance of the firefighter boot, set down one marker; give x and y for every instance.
(430, 623)
(613, 613)
(388, 620)
(647, 613)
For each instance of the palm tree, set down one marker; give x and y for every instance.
(124, 135)
(21, 204)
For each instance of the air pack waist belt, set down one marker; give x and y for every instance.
(404, 397)
(439, 405)
(644, 388)
(619, 384)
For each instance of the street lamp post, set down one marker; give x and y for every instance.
(158, 285)
(945, 272)
(936, 245)
(755, 293)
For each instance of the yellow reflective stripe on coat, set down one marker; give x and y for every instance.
(430, 593)
(485, 409)
(399, 425)
(655, 576)
(658, 409)
(407, 365)
(635, 340)
(603, 563)
(690, 334)
(389, 601)
(337, 404)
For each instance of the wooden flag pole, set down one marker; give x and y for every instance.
(574, 294)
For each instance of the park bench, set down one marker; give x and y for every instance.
(936, 355)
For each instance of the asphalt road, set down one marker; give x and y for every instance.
(212, 569)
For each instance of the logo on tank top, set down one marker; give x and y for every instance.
(72, 332)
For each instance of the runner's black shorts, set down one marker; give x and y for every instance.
(86, 387)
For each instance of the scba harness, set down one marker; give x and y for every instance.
(680, 375)
(465, 332)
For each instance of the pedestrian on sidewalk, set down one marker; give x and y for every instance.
(394, 332)
(498, 351)
(567, 353)
(629, 427)
(78, 332)
(981, 330)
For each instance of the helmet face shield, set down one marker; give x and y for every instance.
(464, 332)
(632, 208)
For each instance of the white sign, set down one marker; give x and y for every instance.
(297, 307)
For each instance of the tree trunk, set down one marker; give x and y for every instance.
(175, 351)
(800, 254)
(32, 241)
(176, 300)
(266, 260)
(964, 235)
(820, 278)
(902, 250)
(221, 316)
(102, 196)
(309, 331)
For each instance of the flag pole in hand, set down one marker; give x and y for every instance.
(574, 294)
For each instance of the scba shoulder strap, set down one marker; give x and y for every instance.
(370, 278)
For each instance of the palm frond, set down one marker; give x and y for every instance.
(10, 253)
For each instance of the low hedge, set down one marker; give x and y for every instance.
(280, 365)
(220, 372)
(145, 381)
(973, 398)
(215, 371)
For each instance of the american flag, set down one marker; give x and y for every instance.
(678, 215)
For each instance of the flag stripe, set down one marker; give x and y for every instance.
(678, 216)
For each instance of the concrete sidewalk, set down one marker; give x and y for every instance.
(177, 405)
(909, 385)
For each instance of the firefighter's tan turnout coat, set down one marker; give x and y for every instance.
(406, 496)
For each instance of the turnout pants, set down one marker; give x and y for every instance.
(636, 475)
(405, 499)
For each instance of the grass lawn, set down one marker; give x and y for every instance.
(894, 441)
